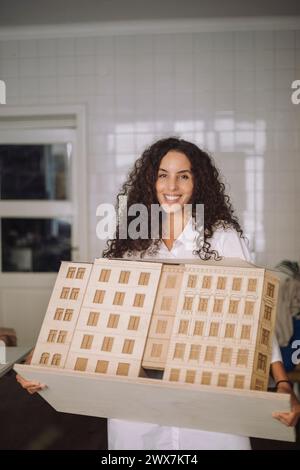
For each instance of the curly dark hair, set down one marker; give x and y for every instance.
(208, 190)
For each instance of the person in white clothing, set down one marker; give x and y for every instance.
(176, 174)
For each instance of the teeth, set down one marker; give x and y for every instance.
(172, 198)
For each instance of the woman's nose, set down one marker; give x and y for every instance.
(172, 184)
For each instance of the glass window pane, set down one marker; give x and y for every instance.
(35, 245)
(35, 171)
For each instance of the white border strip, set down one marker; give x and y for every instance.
(151, 27)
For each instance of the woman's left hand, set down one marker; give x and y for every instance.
(289, 418)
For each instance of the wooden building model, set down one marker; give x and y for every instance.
(184, 321)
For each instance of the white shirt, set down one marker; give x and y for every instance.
(135, 435)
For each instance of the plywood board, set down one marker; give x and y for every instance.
(246, 412)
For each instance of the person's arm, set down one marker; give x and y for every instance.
(230, 244)
(30, 385)
(289, 418)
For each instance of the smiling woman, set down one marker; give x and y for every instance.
(173, 173)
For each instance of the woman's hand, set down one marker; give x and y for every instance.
(31, 386)
(289, 418)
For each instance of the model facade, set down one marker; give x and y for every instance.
(194, 322)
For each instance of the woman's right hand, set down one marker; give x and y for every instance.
(31, 386)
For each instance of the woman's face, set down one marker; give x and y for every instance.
(174, 185)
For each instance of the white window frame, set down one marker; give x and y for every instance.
(37, 125)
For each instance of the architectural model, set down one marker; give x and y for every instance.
(185, 321)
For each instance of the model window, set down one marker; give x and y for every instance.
(262, 362)
(113, 320)
(133, 323)
(249, 307)
(188, 303)
(218, 305)
(222, 380)
(58, 314)
(221, 284)
(139, 300)
(170, 282)
(80, 273)
(156, 350)
(233, 306)
(62, 335)
(206, 282)
(128, 346)
(93, 319)
(183, 327)
(270, 289)
(265, 337)
(252, 283)
(174, 375)
(104, 275)
(119, 298)
(166, 303)
(71, 273)
(267, 312)
(239, 381)
(52, 336)
(68, 314)
(203, 303)
(101, 367)
(242, 357)
(192, 281)
(124, 277)
(161, 326)
(99, 296)
(246, 332)
(237, 283)
(123, 369)
(210, 354)
(179, 351)
(226, 355)
(74, 294)
(190, 376)
(206, 378)
(198, 328)
(144, 279)
(259, 384)
(56, 360)
(65, 293)
(229, 330)
(87, 341)
(44, 358)
(107, 343)
(214, 329)
(81, 364)
(195, 352)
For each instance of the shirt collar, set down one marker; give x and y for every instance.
(188, 234)
(187, 238)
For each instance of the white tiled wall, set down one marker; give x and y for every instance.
(227, 91)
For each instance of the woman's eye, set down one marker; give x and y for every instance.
(185, 177)
(162, 175)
